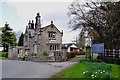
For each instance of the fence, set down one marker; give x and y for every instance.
(112, 53)
(112, 56)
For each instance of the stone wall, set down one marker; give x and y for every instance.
(44, 59)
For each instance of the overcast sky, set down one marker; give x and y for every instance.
(18, 12)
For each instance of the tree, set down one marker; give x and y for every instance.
(0, 37)
(8, 37)
(80, 41)
(100, 19)
(20, 42)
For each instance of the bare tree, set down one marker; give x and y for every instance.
(100, 19)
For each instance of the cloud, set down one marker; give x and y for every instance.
(19, 13)
(36, 0)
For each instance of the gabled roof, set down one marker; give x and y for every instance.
(66, 46)
(51, 25)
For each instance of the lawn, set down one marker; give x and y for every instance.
(3, 58)
(77, 56)
(78, 70)
(81, 57)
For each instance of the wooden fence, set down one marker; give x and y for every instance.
(112, 53)
(112, 56)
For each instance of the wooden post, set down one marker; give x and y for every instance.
(88, 53)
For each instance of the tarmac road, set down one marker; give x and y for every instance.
(27, 69)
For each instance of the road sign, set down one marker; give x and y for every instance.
(98, 48)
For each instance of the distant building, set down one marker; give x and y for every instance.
(69, 47)
(39, 39)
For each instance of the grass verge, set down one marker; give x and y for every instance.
(77, 56)
(77, 70)
(3, 58)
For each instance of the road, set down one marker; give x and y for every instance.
(27, 69)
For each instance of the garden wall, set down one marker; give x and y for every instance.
(44, 58)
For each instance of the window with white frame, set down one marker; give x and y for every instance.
(54, 47)
(52, 35)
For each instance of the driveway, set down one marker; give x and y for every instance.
(63, 65)
(27, 69)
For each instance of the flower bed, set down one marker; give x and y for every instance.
(97, 71)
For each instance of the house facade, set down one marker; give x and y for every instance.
(39, 39)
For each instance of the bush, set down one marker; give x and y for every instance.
(39, 54)
(112, 60)
(23, 56)
(45, 53)
(80, 53)
(4, 54)
(70, 54)
(32, 54)
(108, 59)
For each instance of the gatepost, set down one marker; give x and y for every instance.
(88, 53)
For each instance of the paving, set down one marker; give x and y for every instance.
(27, 69)
(64, 65)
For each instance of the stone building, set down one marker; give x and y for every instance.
(39, 39)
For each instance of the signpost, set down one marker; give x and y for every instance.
(97, 48)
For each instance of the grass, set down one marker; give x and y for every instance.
(3, 58)
(39, 54)
(81, 56)
(3, 55)
(77, 70)
(77, 56)
(115, 71)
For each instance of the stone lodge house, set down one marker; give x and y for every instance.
(39, 39)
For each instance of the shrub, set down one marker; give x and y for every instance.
(112, 60)
(70, 54)
(4, 54)
(23, 56)
(108, 59)
(45, 53)
(80, 52)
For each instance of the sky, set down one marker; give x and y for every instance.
(17, 13)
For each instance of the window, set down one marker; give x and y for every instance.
(53, 47)
(52, 35)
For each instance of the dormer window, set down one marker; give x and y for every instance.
(52, 35)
